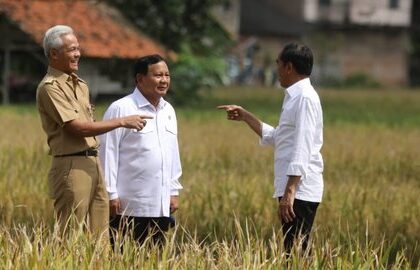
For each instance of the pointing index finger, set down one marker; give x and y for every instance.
(225, 107)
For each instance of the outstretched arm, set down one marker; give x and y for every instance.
(237, 113)
(88, 129)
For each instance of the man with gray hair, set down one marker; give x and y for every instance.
(75, 178)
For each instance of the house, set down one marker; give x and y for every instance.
(109, 44)
(348, 37)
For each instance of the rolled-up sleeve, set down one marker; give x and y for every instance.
(175, 186)
(109, 154)
(267, 134)
(304, 138)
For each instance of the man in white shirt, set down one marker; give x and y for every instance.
(142, 167)
(298, 138)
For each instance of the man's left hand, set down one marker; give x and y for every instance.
(174, 203)
(286, 212)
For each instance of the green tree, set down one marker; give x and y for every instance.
(187, 28)
(190, 74)
(175, 23)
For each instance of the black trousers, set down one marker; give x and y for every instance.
(140, 228)
(300, 228)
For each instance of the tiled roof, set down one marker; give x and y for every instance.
(100, 32)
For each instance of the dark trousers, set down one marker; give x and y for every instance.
(300, 228)
(140, 228)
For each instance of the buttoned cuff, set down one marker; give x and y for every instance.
(266, 134)
(175, 186)
(112, 195)
(296, 169)
(174, 192)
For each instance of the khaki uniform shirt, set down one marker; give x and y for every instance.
(60, 99)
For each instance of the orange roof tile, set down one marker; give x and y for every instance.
(100, 34)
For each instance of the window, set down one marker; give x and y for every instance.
(394, 4)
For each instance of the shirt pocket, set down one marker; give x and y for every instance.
(76, 108)
(148, 128)
(171, 127)
(90, 108)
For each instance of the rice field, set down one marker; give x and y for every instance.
(369, 218)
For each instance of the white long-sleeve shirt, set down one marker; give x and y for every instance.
(142, 168)
(297, 142)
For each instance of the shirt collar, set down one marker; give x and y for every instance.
(295, 88)
(141, 101)
(61, 76)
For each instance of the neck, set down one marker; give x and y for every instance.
(155, 103)
(299, 78)
(296, 78)
(59, 69)
(153, 100)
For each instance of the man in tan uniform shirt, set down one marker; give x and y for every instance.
(75, 178)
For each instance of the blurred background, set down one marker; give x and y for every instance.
(357, 43)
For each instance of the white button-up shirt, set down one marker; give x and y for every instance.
(142, 168)
(297, 141)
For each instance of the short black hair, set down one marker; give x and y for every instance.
(142, 64)
(300, 56)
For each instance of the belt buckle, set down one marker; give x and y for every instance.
(91, 152)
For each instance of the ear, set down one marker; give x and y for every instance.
(139, 78)
(53, 53)
(289, 67)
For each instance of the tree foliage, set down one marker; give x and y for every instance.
(190, 74)
(187, 28)
(175, 23)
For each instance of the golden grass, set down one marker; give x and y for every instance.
(369, 218)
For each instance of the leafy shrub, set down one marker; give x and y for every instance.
(191, 74)
(355, 80)
(360, 80)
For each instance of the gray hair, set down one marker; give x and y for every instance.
(52, 38)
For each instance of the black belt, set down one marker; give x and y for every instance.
(86, 153)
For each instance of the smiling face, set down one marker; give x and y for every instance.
(66, 58)
(155, 83)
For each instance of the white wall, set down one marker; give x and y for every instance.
(362, 12)
(377, 12)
